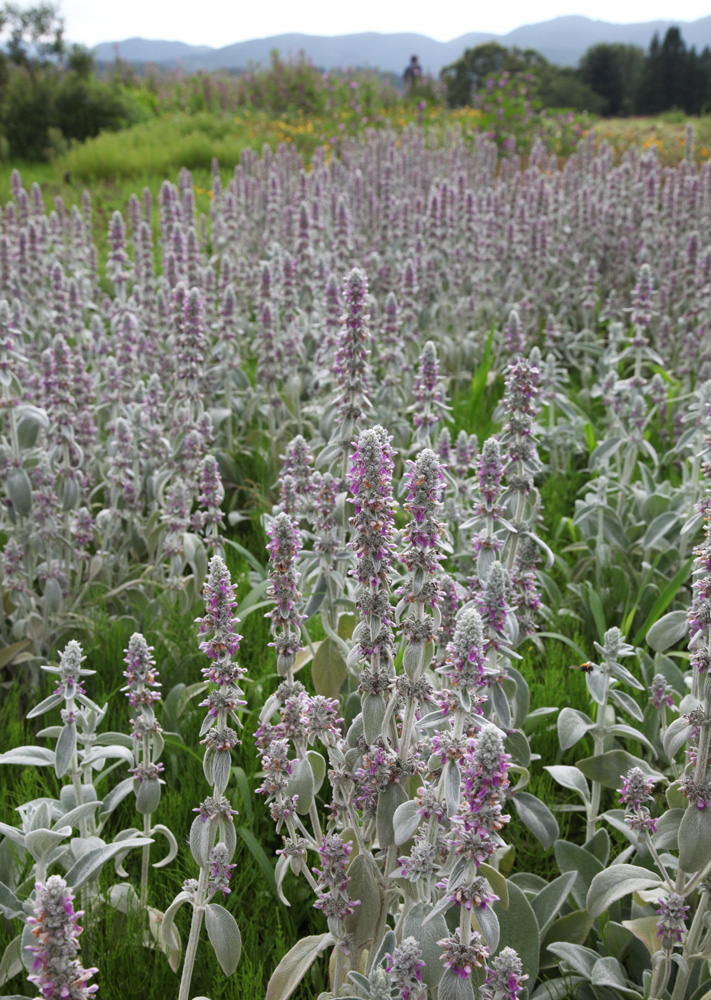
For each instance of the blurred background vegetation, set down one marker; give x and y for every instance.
(53, 96)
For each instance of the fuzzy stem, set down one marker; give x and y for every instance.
(195, 926)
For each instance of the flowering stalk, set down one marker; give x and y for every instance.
(57, 969)
(212, 836)
(142, 693)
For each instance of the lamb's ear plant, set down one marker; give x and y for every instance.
(83, 758)
(213, 839)
(420, 780)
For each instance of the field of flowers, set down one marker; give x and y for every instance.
(356, 578)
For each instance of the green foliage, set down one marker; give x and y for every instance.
(613, 73)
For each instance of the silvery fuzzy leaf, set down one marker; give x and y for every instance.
(208, 763)
(13, 835)
(666, 836)
(667, 631)
(41, 818)
(318, 768)
(695, 839)
(202, 838)
(484, 562)
(328, 670)
(452, 987)
(615, 883)
(317, 596)
(90, 864)
(172, 845)
(282, 867)
(537, 817)
(387, 946)
(676, 735)
(99, 754)
(489, 926)
(452, 787)
(224, 936)
(228, 835)
(117, 794)
(373, 715)
(624, 675)
(11, 962)
(295, 964)
(569, 777)
(28, 756)
(572, 726)
(427, 935)
(165, 930)
(52, 596)
(610, 767)
(619, 729)
(123, 897)
(301, 783)
(363, 885)
(406, 821)
(269, 708)
(10, 905)
(388, 801)
(501, 706)
(27, 942)
(627, 704)
(40, 842)
(19, 490)
(65, 749)
(548, 902)
(115, 739)
(597, 684)
(46, 705)
(147, 796)
(221, 771)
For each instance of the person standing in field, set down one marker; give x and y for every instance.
(412, 73)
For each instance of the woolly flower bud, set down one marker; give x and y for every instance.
(219, 595)
(70, 661)
(297, 462)
(504, 978)
(212, 492)
(513, 334)
(462, 958)
(371, 483)
(425, 484)
(672, 922)
(464, 665)
(490, 471)
(140, 661)
(220, 869)
(405, 966)
(351, 365)
(334, 854)
(636, 788)
(493, 602)
(59, 973)
(427, 387)
(660, 692)
(283, 548)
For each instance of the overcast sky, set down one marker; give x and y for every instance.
(221, 22)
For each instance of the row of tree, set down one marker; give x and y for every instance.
(610, 80)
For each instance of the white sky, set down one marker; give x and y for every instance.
(221, 22)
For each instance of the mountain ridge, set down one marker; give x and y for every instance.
(561, 40)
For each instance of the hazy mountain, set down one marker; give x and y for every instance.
(562, 40)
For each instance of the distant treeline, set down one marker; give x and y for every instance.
(52, 95)
(611, 79)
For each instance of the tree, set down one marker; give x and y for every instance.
(470, 71)
(613, 71)
(31, 35)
